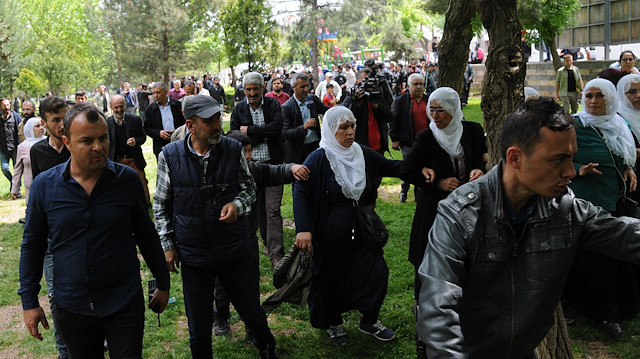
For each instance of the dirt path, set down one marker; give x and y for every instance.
(11, 321)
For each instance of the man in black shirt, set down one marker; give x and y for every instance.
(46, 154)
(217, 92)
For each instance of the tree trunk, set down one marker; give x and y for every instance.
(556, 345)
(165, 57)
(314, 44)
(454, 47)
(503, 84)
(233, 76)
(553, 49)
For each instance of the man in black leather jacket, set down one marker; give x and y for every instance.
(500, 248)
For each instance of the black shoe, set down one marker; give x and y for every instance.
(221, 327)
(421, 350)
(269, 352)
(19, 195)
(337, 334)
(403, 197)
(612, 328)
(22, 220)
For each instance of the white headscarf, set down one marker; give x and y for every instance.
(29, 136)
(614, 129)
(347, 163)
(530, 94)
(625, 107)
(449, 137)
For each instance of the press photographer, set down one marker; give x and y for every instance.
(372, 113)
(381, 76)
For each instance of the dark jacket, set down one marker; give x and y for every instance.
(241, 116)
(426, 152)
(361, 112)
(487, 294)
(201, 238)
(401, 128)
(133, 128)
(293, 127)
(153, 122)
(217, 92)
(3, 137)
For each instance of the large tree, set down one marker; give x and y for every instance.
(549, 18)
(249, 31)
(12, 40)
(149, 36)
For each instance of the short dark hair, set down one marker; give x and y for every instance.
(91, 112)
(329, 85)
(189, 82)
(277, 79)
(522, 126)
(80, 93)
(239, 136)
(51, 104)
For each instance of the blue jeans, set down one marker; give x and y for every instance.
(240, 282)
(4, 161)
(48, 276)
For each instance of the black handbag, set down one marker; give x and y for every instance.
(628, 207)
(374, 233)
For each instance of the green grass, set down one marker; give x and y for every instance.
(290, 324)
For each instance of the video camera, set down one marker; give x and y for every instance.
(371, 86)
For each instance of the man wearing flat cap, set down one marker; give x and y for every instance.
(203, 196)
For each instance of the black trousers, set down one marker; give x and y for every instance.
(240, 282)
(124, 329)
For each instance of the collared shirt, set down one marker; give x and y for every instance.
(419, 118)
(93, 240)
(310, 136)
(260, 152)
(167, 117)
(43, 156)
(282, 98)
(164, 193)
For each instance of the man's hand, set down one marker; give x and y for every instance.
(229, 213)
(165, 135)
(13, 196)
(589, 169)
(395, 145)
(448, 184)
(159, 300)
(429, 174)
(475, 174)
(310, 123)
(173, 260)
(359, 93)
(244, 129)
(303, 241)
(33, 317)
(132, 141)
(300, 172)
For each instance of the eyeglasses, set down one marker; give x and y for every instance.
(628, 59)
(436, 110)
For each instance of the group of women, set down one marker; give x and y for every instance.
(607, 130)
(350, 275)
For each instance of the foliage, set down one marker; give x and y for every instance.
(29, 83)
(247, 28)
(60, 42)
(548, 17)
(12, 40)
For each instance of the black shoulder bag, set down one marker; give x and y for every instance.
(374, 233)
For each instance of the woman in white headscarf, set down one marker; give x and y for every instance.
(448, 154)
(530, 94)
(604, 166)
(629, 101)
(33, 132)
(347, 274)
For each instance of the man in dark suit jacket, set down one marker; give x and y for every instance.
(301, 135)
(409, 116)
(126, 137)
(260, 118)
(162, 117)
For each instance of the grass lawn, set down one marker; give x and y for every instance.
(295, 336)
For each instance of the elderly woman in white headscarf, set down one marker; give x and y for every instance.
(347, 274)
(33, 132)
(605, 175)
(446, 155)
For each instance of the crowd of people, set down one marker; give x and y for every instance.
(475, 230)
